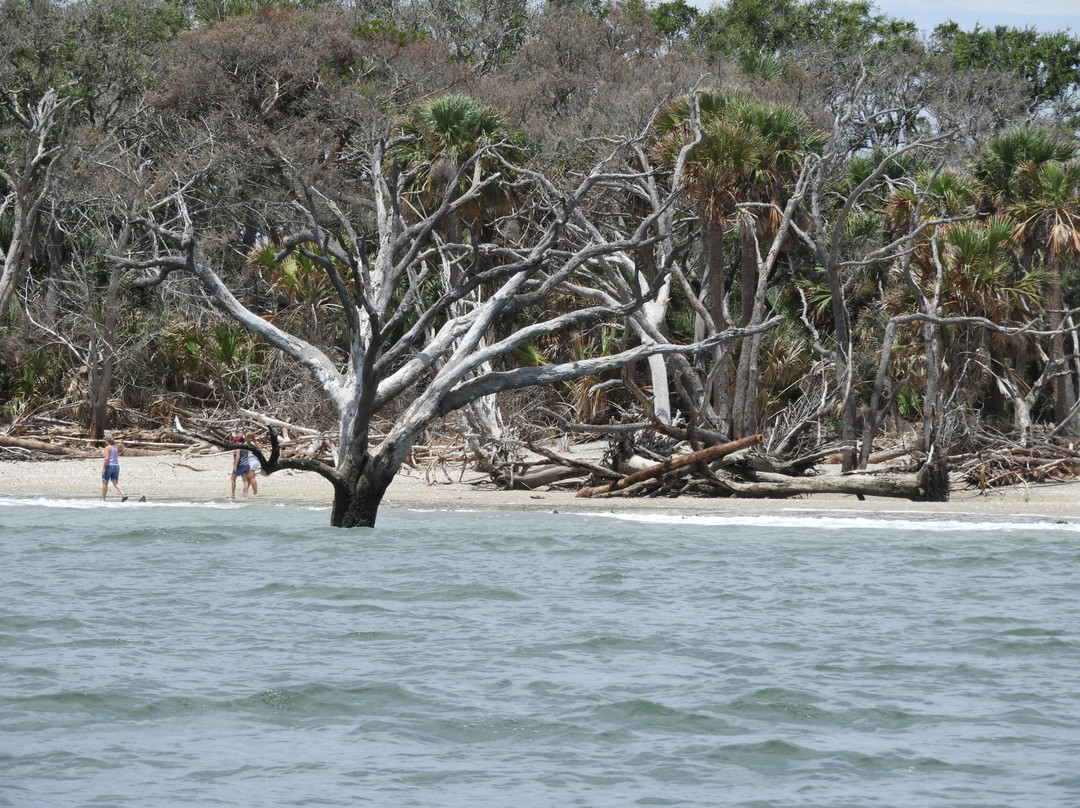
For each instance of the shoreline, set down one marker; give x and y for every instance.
(205, 478)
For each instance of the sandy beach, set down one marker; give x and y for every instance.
(205, 478)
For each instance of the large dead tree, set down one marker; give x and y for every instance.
(25, 181)
(424, 367)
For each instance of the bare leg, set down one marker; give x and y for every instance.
(232, 486)
(254, 484)
(104, 488)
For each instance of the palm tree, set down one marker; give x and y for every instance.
(748, 152)
(981, 281)
(724, 156)
(998, 170)
(443, 136)
(302, 284)
(1048, 214)
(1011, 173)
(784, 139)
(960, 268)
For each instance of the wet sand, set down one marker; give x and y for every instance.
(205, 478)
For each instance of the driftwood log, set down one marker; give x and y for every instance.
(539, 477)
(40, 446)
(91, 447)
(672, 464)
(929, 484)
(760, 477)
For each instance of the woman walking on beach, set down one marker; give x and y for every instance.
(110, 468)
(244, 465)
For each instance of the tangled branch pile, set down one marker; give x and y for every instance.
(997, 467)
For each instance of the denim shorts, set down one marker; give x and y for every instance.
(111, 473)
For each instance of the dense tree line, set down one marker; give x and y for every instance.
(808, 220)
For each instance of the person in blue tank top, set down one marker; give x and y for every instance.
(110, 468)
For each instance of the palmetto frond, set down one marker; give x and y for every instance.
(758, 63)
(1050, 208)
(748, 151)
(938, 195)
(443, 134)
(1006, 157)
(863, 165)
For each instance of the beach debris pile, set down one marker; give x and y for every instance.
(1000, 466)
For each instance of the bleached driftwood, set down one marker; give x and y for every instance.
(673, 464)
(41, 446)
(920, 486)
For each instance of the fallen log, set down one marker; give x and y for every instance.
(760, 463)
(929, 484)
(90, 451)
(132, 443)
(40, 446)
(892, 454)
(582, 466)
(540, 477)
(672, 464)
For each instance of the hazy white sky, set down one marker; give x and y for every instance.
(1045, 15)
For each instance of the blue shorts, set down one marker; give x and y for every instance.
(111, 473)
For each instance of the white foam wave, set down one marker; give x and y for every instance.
(841, 520)
(97, 504)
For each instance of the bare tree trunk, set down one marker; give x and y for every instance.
(994, 398)
(1062, 372)
(661, 395)
(357, 505)
(720, 390)
(933, 417)
(54, 247)
(872, 417)
(745, 394)
(844, 376)
(748, 248)
(480, 420)
(654, 313)
(26, 189)
(101, 359)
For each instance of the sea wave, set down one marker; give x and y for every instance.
(96, 504)
(208, 656)
(818, 520)
(93, 503)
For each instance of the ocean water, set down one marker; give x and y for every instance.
(250, 655)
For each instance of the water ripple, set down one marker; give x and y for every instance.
(543, 660)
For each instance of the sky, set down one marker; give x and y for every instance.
(1044, 15)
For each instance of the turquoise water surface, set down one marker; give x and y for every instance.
(210, 655)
